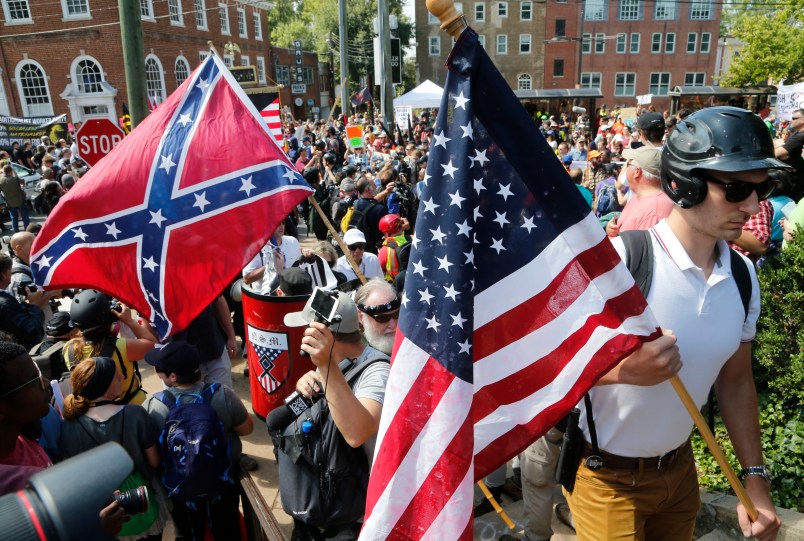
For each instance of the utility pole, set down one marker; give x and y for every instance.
(386, 86)
(344, 59)
(133, 59)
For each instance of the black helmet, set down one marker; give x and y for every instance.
(725, 139)
(329, 157)
(90, 309)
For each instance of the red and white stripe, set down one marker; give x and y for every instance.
(539, 344)
(273, 118)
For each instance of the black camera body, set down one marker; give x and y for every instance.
(25, 288)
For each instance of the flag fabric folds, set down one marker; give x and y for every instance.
(272, 115)
(515, 303)
(362, 97)
(177, 209)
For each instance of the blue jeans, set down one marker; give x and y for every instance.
(19, 211)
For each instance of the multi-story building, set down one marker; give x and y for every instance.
(66, 56)
(626, 48)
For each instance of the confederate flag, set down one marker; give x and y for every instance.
(177, 209)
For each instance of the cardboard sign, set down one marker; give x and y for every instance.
(354, 134)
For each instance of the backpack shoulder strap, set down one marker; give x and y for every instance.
(209, 391)
(355, 372)
(49, 351)
(166, 397)
(639, 257)
(739, 269)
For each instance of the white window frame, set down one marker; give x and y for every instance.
(65, 9)
(626, 10)
(692, 42)
(147, 10)
(600, 43)
(261, 70)
(282, 74)
(586, 43)
(695, 76)
(76, 77)
(186, 64)
(626, 88)
(242, 26)
(481, 39)
(480, 12)
(665, 10)
(634, 43)
(228, 60)
(659, 87)
(701, 10)
(620, 46)
(175, 13)
(4, 108)
(434, 46)
(656, 43)
(594, 10)
(200, 7)
(223, 14)
(524, 81)
(203, 55)
(245, 60)
(525, 41)
(7, 13)
(258, 25)
(502, 9)
(526, 10)
(163, 91)
(591, 79)
(670, 43)
(706, 44)
(501, 44)
(432, 19)
(46, 108)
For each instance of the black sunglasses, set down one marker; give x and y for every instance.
(738, 190)
(385, 318)
(359, 246)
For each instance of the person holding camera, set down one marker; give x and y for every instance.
(96, 316)
(93, 416)
(22, 282)
(355, 405)
(20, 322)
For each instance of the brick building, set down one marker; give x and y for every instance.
(626, 48)
(65, 56)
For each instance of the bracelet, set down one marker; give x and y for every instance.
(760, 471)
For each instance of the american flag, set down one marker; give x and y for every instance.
(515, 303)
(273, 118)
(177, 209)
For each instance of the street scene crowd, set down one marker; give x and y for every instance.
(712, 194)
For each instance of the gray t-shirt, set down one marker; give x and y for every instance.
(371, 384)
(225, 402)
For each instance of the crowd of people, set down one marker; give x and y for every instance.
(694, 185)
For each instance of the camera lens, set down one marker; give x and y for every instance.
(134, 501)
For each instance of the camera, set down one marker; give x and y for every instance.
(25, 288)
(325, 306)
(134, 501)
(48, 507)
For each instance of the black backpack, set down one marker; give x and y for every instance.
(358, 219)
(322, 479)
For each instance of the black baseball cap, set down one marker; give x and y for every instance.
(295, 281)
(650, 120)
(176, 357)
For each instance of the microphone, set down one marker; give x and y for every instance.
(296, 404)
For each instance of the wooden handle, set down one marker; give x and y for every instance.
(452, 21)
(338, 239)
(717, 452)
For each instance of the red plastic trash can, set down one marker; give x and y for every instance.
(274, 361)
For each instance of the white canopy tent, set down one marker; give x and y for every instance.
(426, 95)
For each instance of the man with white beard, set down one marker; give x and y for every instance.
(378, 314)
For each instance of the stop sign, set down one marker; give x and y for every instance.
(96, 138)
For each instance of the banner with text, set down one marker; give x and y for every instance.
(22, 130)
(789, 98)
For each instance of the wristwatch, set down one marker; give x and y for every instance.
(761, 471)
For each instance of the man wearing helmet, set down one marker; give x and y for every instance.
(715, 168)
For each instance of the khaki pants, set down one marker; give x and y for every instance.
(538, 480)
(640, 505)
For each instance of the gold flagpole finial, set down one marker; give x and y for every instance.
(452, 21)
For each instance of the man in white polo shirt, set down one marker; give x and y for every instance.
(368, 263)
(715, 168)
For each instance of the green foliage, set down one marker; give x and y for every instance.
(314, 21)
(779, 344)
(773, 38)
(783, 444)
(779, 374)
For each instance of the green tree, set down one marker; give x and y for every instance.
(313, 21)
(773, 37)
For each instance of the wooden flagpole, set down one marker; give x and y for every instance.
(453, 23)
